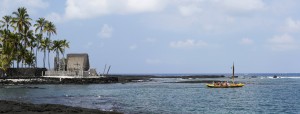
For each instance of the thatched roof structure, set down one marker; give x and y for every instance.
(78, 61)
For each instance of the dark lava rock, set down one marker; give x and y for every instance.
(12, 107)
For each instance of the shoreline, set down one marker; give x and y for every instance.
(51, 80)
(169, 76)
(14, 107)
(92, 80)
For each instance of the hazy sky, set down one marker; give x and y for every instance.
(176, 36)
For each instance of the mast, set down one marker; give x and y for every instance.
(233, 73)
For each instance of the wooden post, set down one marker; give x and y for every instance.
(104, 70)
(108, 70)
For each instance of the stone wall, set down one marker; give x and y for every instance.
(24, 72)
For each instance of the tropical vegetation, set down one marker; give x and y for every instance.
(21, 40)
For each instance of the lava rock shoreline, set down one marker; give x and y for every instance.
(13, 107)
(97, 80)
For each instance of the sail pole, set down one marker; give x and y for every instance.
(233, 73)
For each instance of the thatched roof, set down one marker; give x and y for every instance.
(78, 61)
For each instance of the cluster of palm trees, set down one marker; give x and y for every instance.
(18, 41)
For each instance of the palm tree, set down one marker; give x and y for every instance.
(22, 19)
(5, 62)
(4, 57)
(49, 45)
(38, 40)
(6, 21)
(1, 40)
(58, 48)
(22, 54)
(22, 22)
(29, 58)
(18, 40)
(32, 40)
(65, 45)
(44, 46)
(13, 42)
(27, 39)
(12, 46)
(28, 35)
(32, 44)
(40, 24)
(49, 29)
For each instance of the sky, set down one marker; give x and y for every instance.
(175, 36)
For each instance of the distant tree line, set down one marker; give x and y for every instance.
(21, 40)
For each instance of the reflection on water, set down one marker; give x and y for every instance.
(259, 95)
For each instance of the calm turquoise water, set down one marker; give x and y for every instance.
(260, 95)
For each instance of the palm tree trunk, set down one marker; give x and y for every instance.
(44, 57)
(18, 57)
(64, 62)
(18, 63)
(36, 50)
(58, 60)
(48, 60)
(49, 51)
(31, 50)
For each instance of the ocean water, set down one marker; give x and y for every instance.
(261, 94)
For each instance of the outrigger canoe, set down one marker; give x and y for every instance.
(227, 86)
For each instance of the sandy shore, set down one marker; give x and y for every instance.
(12, 107)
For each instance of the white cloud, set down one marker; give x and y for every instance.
(190, 7)
(240, 5)
(138, 6)
(190, 10)
(106, 31)
(282, 43)
(82, 9)
(246, 41)
(208, 16)
(189, 43)
(150, 40)
(85, 9)
(133, 47)
(292, 25)
(153, 61)
(54, 17)
(34, 3)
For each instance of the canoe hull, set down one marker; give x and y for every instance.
(230, 86)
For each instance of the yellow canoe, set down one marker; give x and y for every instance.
(228, 86)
